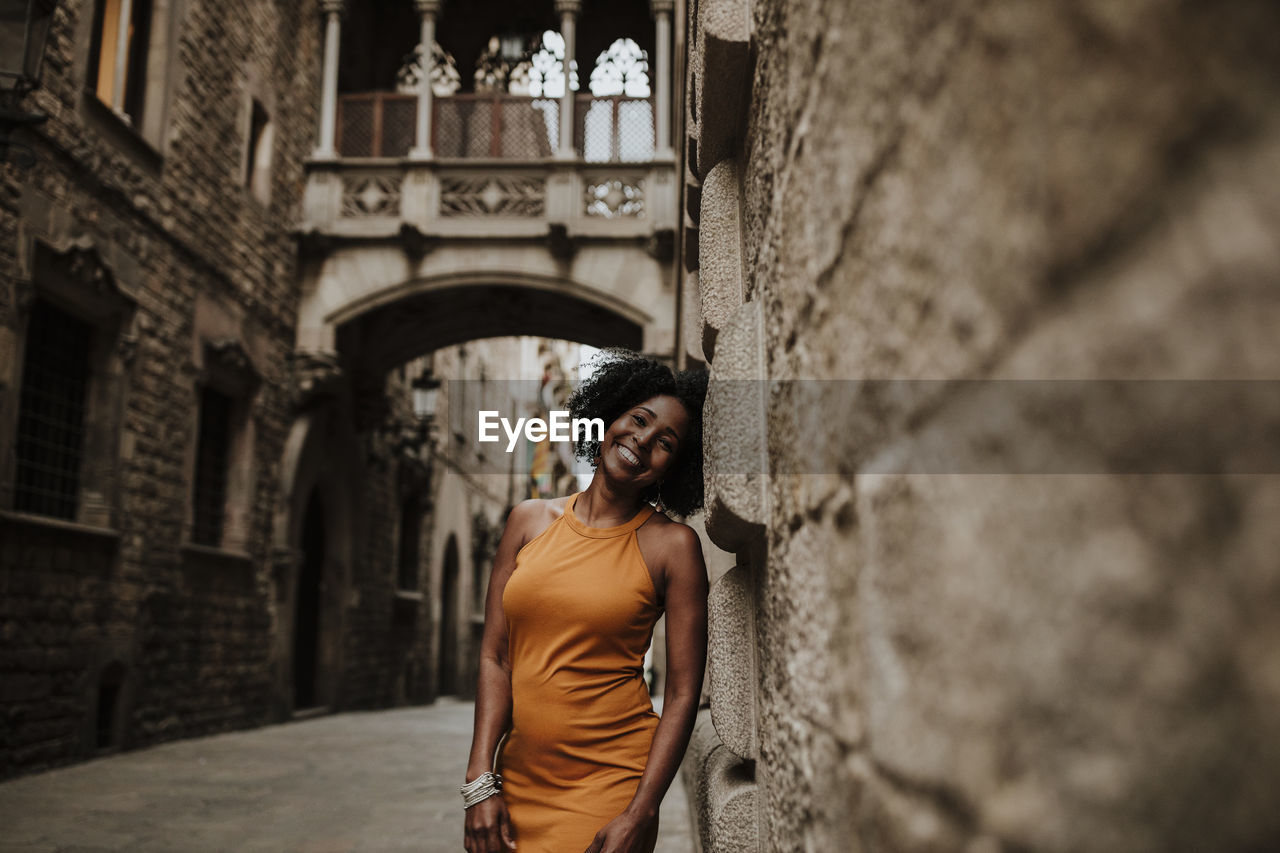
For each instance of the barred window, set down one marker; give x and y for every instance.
(213, 447)
(410, 532)
(51, 409)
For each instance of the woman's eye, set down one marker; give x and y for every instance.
(666, 445)
(638, 419)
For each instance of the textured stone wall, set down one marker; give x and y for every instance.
(179, 233)
(995, 659)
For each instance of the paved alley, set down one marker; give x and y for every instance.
(374, 782)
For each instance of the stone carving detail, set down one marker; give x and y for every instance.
(493, 196)
(445, 79)
(24, 293)
(622, 69)
(127, 349)
(615, 198)
(317, 376)
(541, 74)
(228, 357)
(86, 266)
(371, 195)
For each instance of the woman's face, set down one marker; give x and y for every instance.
(644, 442)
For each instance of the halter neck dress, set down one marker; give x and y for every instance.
(580, 608)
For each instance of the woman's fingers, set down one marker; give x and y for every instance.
(504, 821)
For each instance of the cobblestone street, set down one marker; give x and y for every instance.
(375, 782)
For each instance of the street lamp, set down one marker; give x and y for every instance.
(24, 29)
(426, 390)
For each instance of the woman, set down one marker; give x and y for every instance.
(577, 585)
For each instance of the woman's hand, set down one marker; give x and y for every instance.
(489, 827)
(626, 833)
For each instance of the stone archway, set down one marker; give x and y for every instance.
(405, 322)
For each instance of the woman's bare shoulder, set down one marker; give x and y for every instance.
(669, 535)
(533, 515)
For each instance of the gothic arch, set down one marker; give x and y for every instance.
(403, 322)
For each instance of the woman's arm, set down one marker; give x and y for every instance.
(487, 823)
(686, 593)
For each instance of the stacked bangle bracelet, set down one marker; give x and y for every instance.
(482, 787)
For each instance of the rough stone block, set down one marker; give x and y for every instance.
(692, 194)
(691, 317)
(722, 792)
(692, 241)
(1044, 646)
(724, 34)
(736, 467)
(720, 251)
(731, 665)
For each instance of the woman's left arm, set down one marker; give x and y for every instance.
(686, 610)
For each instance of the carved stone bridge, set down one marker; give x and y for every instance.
(404, 257)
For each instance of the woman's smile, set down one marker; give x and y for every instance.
(629, 456)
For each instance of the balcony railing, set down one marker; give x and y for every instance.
(504, 127)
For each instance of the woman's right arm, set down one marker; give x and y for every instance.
(488, 828)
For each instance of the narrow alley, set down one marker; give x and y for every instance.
(373, 782)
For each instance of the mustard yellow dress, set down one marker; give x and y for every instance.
(580, 609)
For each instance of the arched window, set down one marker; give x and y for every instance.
(541, 75)
(623, 69)
(619, 126)
(445, 79)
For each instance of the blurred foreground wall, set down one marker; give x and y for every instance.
(996, 650)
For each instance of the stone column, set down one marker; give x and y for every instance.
(332, 10)
(427, 11)
(662, 79)
(568, 11)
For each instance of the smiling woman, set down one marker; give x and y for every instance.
(578, 583)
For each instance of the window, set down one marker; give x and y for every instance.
(257, 173)
(410, 533)
(74, 341)
(220, 509)
(213, 446)
(118, 56)
(51, 415)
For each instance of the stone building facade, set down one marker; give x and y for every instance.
(148, 283)
(217, 505)
(935, 639)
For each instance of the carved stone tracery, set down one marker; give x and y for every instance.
(227, 359)
(316, 377)
(510, 195)
(371, 195)
(445, 79)
(622, 69)
(615, 198)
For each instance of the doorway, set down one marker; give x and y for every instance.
(448, 667)
(306, 621)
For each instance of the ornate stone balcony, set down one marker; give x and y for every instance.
(495, 172)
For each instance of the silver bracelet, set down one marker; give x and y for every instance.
(481, 788)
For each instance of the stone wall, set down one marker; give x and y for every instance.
(937, 637)
(160, 213)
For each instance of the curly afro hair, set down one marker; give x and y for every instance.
(624, 378)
